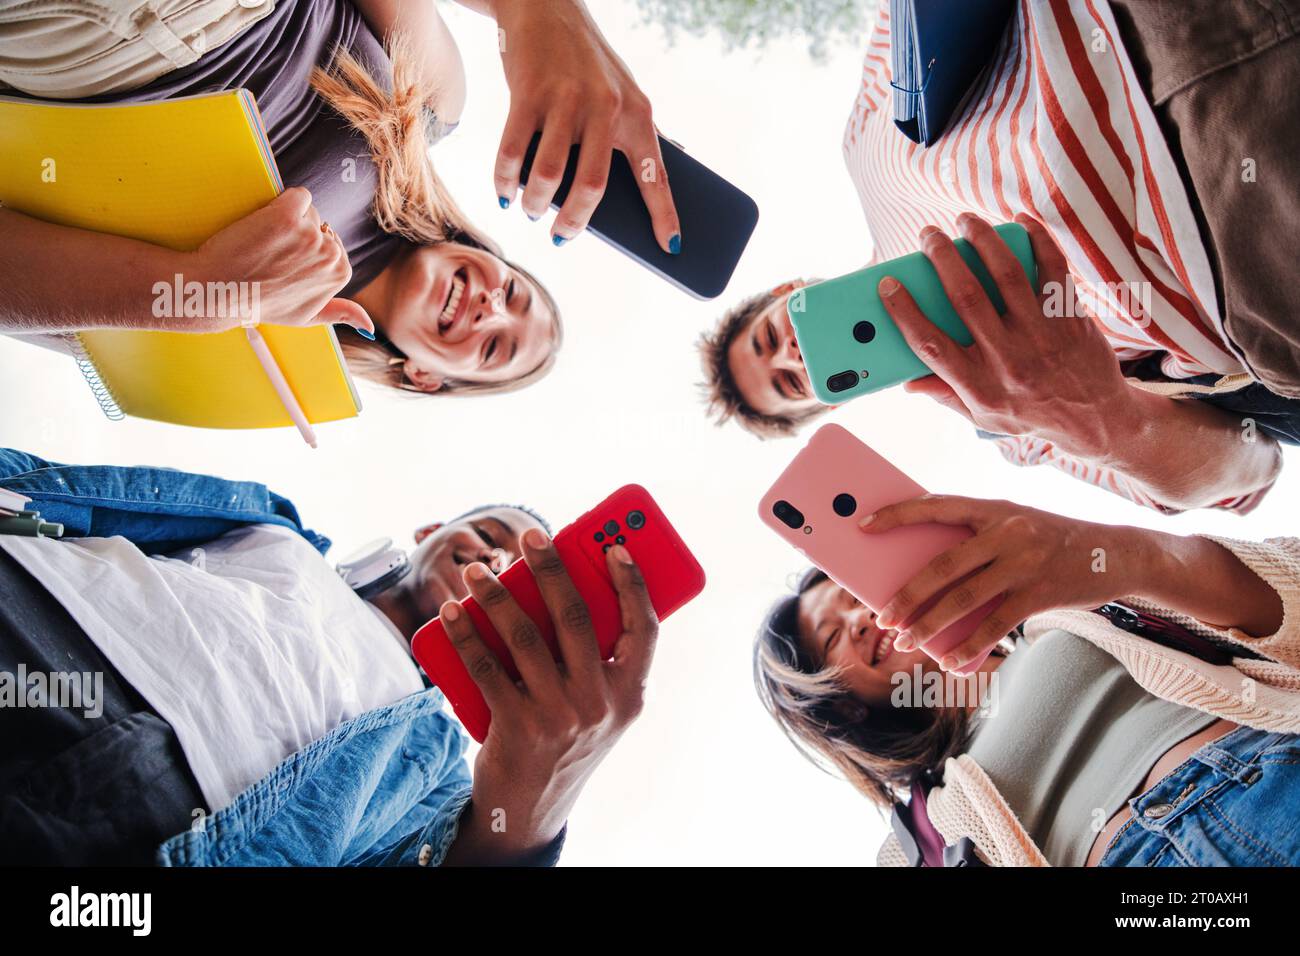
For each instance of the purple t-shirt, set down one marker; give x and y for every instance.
(313, 145)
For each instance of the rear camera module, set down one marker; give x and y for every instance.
(844, 504)
(864, 332)
(790, 516)
(841, 381)
(611, 527)
(635, 520)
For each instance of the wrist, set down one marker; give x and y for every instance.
(1102, 569)
(497, 9)
(500, 10)
(515, 821)
(1145, 561)
(1200, 578)
(187, 272)
(1104, 431)
(498, 832)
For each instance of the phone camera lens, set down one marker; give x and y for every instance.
(864, 332)
(611, 527)
(635, 520)
(789, 515)
(841, 381)
(606, 547)
(620, 540)
(600, 536)
(844, 505)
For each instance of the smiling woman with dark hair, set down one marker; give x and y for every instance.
(1078, 741)
(805, 676)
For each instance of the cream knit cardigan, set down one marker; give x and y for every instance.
(1264, 694)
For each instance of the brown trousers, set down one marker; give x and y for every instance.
(1224, 79)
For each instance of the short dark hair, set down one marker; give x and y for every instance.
(723, 398)
(524, 508)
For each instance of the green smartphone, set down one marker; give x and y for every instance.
(851, 346)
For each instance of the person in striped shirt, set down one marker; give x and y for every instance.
(1115, 134)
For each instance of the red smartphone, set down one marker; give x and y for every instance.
(629, 517)
(816, 504)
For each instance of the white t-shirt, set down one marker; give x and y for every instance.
(251, 647)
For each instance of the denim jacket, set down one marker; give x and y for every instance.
(384, 788)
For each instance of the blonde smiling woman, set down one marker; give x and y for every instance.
(430, 302)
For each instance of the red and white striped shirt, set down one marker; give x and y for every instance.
(1058, 128)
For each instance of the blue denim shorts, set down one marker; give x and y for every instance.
(1235, 802)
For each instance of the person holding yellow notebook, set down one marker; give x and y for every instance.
(213, 171)
(366, 238)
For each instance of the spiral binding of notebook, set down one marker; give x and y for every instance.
(171, 173)
(98, 387)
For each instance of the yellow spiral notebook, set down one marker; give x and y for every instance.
(171, 173)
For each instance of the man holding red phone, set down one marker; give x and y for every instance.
(256, 710)
(551, 730)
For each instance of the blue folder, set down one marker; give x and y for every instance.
(939, 48)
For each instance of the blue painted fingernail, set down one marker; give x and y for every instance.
(366, 334)
(505, 202)
(559, 240)
(675, 244)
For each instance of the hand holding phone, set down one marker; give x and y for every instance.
(569, 86)
(552, 724)
(630, 518)
(851, 345)
(816, 504)
(1042, 365)
(716, 218)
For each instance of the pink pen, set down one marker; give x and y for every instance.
(282, 388)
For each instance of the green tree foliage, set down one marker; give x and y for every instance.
(753, 23)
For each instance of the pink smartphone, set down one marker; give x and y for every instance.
(816, 504)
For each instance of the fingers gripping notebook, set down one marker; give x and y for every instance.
(172, 173)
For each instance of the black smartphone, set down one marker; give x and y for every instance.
(717, 219)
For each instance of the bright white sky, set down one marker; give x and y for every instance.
(704, 777)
